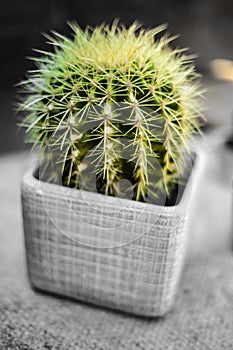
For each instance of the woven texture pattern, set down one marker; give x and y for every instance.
(118, 253)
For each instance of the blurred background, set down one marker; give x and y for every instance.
(205, 27)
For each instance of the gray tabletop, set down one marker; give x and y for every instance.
(202, 317)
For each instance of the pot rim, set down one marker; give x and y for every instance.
(30, 179)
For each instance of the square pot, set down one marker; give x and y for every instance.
(114, 252)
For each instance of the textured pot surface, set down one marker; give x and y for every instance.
(119, 253)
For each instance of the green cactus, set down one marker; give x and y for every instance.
(116, 103)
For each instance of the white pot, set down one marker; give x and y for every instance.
(115, 252)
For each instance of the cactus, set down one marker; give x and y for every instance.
(116, 102)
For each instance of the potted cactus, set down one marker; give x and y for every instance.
(112, 111)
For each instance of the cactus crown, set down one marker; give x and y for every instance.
(115, 102)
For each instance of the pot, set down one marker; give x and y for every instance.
(114, 252)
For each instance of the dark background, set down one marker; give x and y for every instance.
(205, 26)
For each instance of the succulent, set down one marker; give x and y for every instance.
(113, 103)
